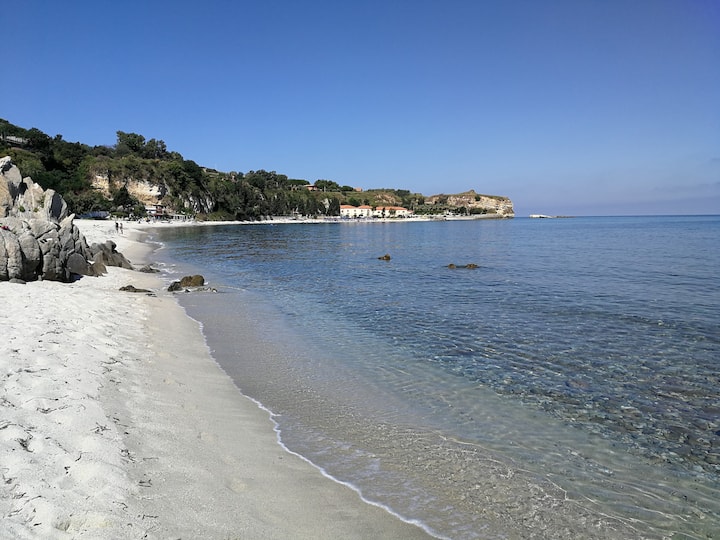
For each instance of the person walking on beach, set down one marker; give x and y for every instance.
(116, 227)
(121, 229)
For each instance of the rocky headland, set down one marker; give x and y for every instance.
(472, 201)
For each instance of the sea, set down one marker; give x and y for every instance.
(509, 378)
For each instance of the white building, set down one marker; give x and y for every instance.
(365, 211)
(391, 211)
(350, 211)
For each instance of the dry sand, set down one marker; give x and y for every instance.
(115, 422)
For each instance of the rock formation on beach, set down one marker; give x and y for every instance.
(38, 239)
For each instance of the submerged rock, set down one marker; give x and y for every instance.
(192, 281)
(469, 266)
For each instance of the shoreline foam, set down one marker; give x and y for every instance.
(118, 423)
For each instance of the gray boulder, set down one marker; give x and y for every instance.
(10, 179)
(55, 206)
(98, 266)
(32, 255)
(11, 264)
(77, 264)
(39, 240)
(108, 254)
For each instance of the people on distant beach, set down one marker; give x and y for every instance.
(117, 227)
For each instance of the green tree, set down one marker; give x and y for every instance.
(298, 182)
(155, 149)
(123, 198)
(86, 201)
(333, 208)
(327, 185)
(128, 143)
(54, 179)
(39, 141)
(28, 162)
(66, 155)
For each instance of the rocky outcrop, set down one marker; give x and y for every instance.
(107, 254)
(39, 240)
(187, 282)
(493, 204)
(148, 193)
(152, 192)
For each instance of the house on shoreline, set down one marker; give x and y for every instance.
(366, 211)
(161, 212)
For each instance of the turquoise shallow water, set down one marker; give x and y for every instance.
(565, 388)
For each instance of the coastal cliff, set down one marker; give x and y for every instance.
(474, 203)
(150, 191)
(143, 190)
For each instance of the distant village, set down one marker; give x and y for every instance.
(347, 211)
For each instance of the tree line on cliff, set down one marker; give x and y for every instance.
(182, 185)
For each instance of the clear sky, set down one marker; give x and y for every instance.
(577, 107)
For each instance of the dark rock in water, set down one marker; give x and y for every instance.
(385, 257)
(175, 286)
(188, 281)
(133, 289)
(148, 269)
(192, 281)
(469, 266)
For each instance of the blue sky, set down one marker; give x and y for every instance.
(595, 107)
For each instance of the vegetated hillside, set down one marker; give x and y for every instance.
(135, 173)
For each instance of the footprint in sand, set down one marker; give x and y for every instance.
(238, 485)
(207, 437)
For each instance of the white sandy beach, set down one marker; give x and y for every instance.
(115, 422)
